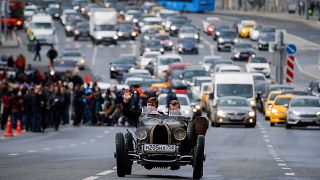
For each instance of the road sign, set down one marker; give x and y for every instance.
(290, 69)
(291, 49)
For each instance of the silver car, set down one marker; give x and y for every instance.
(188, 32)
(74, 55)
(303, 111)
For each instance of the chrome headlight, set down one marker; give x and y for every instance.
(252, 102)
(170, 43)
(82, 61)
(221, 113)
(236, 40)
(252, 113)
(135, 20)
(180, 134)
(220, 40)
(99, 37)
(133, 34)
(69, 28)
(186, 112)
(115, 37)
(294, 113)
(161, 49)
(173, 28)
(113, 69)
(196, 36)
(198, 107)
(269, 106)
(141, 133)
(218, 33)
(274, 111)
(77, 32)
(120, 34)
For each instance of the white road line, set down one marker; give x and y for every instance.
(263, 132)
(92, 140)
(106, 131)
(303, 71)
(31, 151)
(276, 158)
(279, 160)
(83, 142)
(105, 172)
(265, 136)
(209, 45)
(114, 168)
(289, 174)
(2, 137)
(286, 168)
(13, 154)
(123, 46)
(47, 149)
(91, 178)
(72, 144)
(60, 147)
(99, 136)
(282, 164)
(94, 55)
(269, 146)
(267, 140)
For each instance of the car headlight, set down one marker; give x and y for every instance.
(252, 102)
(253, 55)
(99, 37)
(173, 28)
(294, 113)
(237, 54)
(252, 113)
(112, 68)
(198, 107)
(135, 20)
(115, 37)
(236, 40)
(77, 32)
(52, 72)
(56, 15)
(196, 36)
(82, 61)
(170, 43)
(269, 106)
(147, 49)
(274, 111)
(120, 34)
(133, 34)
(220, 40)
(180, 134)
(221, 113)
(243, 31)
(141, 133)
(161, 49)
(82, 9)
(69, 28)
(186, 112)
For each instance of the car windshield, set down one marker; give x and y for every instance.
(194, 73)
(42, 25)
(259, 78)
(268, 37)
(183, 100)
(199, 82)
(211, 60)
(83, 26)
(233, 102)
(273, 96)
(305, 102)
(259, 60)
(153, 43)
(149, 56)
(105, 27)
(228, 34)
(167, 61)
(64, 63)
(243, 46)
(268, 29)
(176, 73)
(125, 61)
(133, 82)
(242, 90)
(282, 101)
(248, 25)
(71, 54)
(189, 40)
(187, 30)
(162, 38)
(149, 23)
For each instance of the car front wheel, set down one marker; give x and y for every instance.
(120, 155)
(198, 158)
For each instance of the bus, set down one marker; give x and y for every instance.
(14, 17)
(188, 5)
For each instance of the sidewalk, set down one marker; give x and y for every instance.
(12, 41)
(313, 20)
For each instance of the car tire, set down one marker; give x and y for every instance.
(271, 124)
(198, 157)
(191, 134)
(196, 51)
(120, 155)
(267, 118)
(129, 145)
(250, 125)
(219, 49)
(288, 126)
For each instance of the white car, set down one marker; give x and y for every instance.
(184, 101)
(42, 26)
(30, 10)
(75, 55)
(139, 71)
(163, 62)
(258, 65)
(147, 57)
(188, 32)
(133, 80)
(207, 24)
(65, 14)
(259, 77)
(207, 61)
(255, 32)
(197, 83)
(227, 68)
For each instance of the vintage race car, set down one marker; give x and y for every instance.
(163, 141)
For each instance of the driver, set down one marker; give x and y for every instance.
(174, 108)
(153, 102)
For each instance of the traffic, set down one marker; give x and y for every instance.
(165, 79)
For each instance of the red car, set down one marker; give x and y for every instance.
(175, 70)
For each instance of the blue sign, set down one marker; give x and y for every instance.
(291, 49)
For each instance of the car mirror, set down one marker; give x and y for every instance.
(211, 96)
(286, 105)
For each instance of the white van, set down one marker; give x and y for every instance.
(231, 84)
(42, 26)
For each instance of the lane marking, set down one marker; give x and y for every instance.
(94, 55)
(282, 164)
(303, 71)
(265, 136)
(47, 149)
(105, 172)
(13, 154)
(286, 168)
(279, 160)
(209, 45)
(276, 158)
(269, 146)
(106, 131)
(99, 136)
(289, 174)
(114, 168)
(72, 144)
(83, 142)
(31, 151)
(92, 140)
(263, 132)
(91, 178)
(267, 140)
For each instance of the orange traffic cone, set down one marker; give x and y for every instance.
(9, 128)
(18, 131)
(87, 78)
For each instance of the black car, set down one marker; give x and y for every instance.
(151, 45)
(188, 45)
(218, 28)
(265, 39)
(227, 39)
(176, 24)
(81, 30)
(121, 66)
(242, 51)
(54, 11)
(233, 111)
(126, 31)
(149, 34)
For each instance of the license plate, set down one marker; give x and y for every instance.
(159, 148)
(307, 120)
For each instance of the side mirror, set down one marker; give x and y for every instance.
(286, 105)
(211, 96)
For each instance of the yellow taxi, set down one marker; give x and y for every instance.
(205, 90)
(279, 109)
(155, 9)
(157, 26)
(268, 105)
(245, 27)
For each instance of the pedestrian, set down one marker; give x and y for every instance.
(36, 113)
(7, 106)
(98, 105)
(43, 108)
(57, 105)
(66, 105)
(131, 109)
(78, 105)
(28, 104)
(17, 107)
(52, 54)
(10, 61)
(37, 50)
(20, 63)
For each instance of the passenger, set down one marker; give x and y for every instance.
(153, 102)
(174, 108)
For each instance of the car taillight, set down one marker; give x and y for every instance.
(210, 28)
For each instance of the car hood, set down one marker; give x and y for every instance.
(244, 50)
(188, 44)
(258, 65)
(106, 33)
(43, 32)
(234, 109)
(305, 110)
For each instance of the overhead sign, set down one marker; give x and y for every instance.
(291, 49)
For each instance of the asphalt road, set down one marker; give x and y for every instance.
(233, 152)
